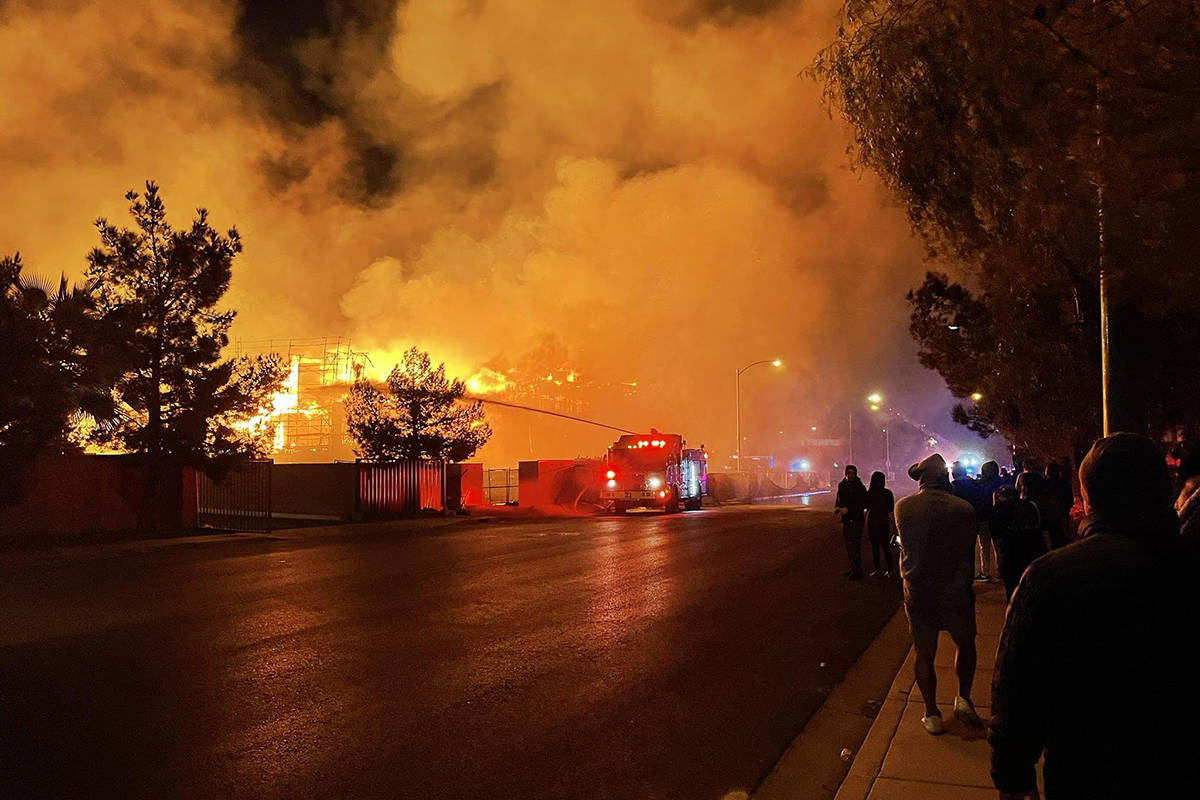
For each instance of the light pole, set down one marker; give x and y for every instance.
(737, 402)
(850, 436)
(875, 401)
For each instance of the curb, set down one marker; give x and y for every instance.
(860, 714)
(869, 759)
(868, 762)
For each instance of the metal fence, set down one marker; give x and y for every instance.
(500, 486)
(239, 501)
(401, 487)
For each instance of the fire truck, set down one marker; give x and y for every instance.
(654, 470)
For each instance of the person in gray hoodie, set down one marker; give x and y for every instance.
(937, 563)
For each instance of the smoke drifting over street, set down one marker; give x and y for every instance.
(650, 191)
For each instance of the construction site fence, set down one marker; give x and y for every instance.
(401, 487)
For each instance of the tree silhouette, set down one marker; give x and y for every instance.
(1000, 127)
(49, 375)
(420, 416)
(157, 291)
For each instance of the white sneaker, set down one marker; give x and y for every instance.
(964, 711)
(933, 725)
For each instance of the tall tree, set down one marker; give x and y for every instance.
(157, 294)
(1005, 128)
(421, 416)
(48, 373)
(45, 367)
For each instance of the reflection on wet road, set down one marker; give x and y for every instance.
(639, 657)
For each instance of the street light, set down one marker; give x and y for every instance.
(876, 401)
(976, 396)
(737, 401)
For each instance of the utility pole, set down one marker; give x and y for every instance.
(737, 402)
(850, 428)
(737, 413)
(887, 438)
(1105, 394)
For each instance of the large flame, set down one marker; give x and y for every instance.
(487, 381)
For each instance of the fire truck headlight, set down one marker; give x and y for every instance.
(610, 474)
(662, 494)
(612, 484)
(655, 482)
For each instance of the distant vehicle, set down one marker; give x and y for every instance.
(971, 462)
(654, 470)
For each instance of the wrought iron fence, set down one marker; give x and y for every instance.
(240, 500)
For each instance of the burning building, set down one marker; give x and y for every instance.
(307, 414)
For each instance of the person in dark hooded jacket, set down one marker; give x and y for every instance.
(1032, 486)
(851, 505)
(1016, 531)
(1092, 669)
(986, 485)
(881, 504)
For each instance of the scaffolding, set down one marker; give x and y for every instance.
(312, 426)
(323, 360)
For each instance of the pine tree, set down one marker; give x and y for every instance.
(157, 291)
(420, 416)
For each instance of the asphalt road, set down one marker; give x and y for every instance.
(641, 657)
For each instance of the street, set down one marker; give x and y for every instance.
(645, 656)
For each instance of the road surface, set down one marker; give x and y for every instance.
(646, 656)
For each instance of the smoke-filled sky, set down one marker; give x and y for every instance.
(648, 187)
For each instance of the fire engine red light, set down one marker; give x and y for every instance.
(610, 474)
(663, 493)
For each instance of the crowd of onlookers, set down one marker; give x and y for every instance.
(1019, 516)
(1092, 673)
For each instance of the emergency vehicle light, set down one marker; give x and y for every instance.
(610, 474)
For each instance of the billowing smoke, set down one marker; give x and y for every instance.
(648, 190)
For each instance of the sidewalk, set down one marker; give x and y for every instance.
(898, 760)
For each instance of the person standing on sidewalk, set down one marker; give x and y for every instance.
(937, 562)
(1032, 486)
(987, 484)
(1016, 531)
(881, 504)
(1092, 668)
(850, 504)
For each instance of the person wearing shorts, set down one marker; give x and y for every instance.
(937, 562)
